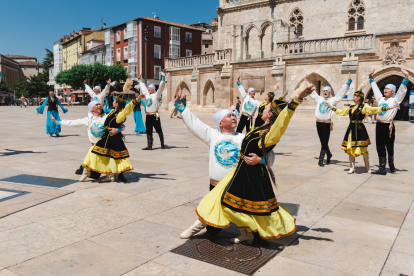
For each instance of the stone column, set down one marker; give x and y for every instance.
(195, 97)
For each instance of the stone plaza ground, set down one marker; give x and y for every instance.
(358, 224)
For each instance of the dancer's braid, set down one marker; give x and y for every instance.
(262, 141)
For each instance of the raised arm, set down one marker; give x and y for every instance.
(376, 110)
(88, 89)
(377, 92)
(162, 85)
(341, 112)
(192, 122)
(41, 108)
(341, 93)
(143, 87)
(241, 88)
(127, 110)
(399, 97)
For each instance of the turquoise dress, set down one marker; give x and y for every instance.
(52, 102)
(139, 123)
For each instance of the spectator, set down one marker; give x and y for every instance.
(39, 100)
(238, 102)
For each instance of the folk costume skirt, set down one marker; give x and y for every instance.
(212, 212)
(52, 128)
(139, 123)
(356, 140)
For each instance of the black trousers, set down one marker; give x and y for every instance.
(385, 143)
(324, 132)
(152, 122)
(244, 122)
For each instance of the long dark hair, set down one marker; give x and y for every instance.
(265, 130)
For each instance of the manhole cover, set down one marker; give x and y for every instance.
(220, 251)
(39, 180)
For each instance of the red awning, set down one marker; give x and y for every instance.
(79, 92)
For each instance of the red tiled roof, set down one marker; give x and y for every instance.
(17, 56)
(30, 63)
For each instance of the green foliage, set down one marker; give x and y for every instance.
(34, 86)
(3, 85)
(97, 74)
(47, 61)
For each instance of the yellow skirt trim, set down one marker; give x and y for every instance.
(354, 151)
(210, 211)
(103, 164)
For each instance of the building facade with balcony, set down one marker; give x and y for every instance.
(95, 52)
(126, 44)
(57, 65)
(282, 41)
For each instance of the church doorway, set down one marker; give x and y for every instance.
(402, 113)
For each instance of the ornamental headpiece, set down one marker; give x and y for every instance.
(121, 98)
(359, 93)
(271, 95)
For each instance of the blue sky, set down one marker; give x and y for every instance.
(28, 27)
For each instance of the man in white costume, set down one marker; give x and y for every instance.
(249, 107)
(225, 144)
(96, 94)
(324, 116)
(153, 120)
(385, 130)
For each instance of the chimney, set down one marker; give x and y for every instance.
(104, 25)
(157, 17)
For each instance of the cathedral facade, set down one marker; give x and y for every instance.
(283, 41)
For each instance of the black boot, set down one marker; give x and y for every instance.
(391, 163)
(321, 156)
(80, 170)
(122, 178)
(382, 163)
(328, 156)
(162, 140)
(149, 140)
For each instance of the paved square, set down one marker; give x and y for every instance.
(358, 224)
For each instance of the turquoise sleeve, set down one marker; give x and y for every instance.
(180, 106)
(371, 79)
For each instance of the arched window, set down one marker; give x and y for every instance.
(296, 20)
(356, 15)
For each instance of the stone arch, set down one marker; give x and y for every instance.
(186, 91)
(267, 39)
(386, 72)
(208, 94)
(319, 82)
(252, 41)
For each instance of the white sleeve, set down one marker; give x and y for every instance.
(143, 88)
(160, 89)
(314, 96)
(197, 127)
(89, 90)
(339, 96)
(78, 122)
(242, 91)
(377, 92)
(103, 94)
(399, 97)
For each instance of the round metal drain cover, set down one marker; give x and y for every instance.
(229, 252)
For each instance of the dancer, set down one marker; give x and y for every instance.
(356, 139)
(245, 196)
(53, 103)
(139, 123)
(96, 129)
(224, 143)
(249, 107)
(268, 99)
(385, 130)
(153, 118)
(109, 155)
(324, 114)
(96, 94)
(109, 102)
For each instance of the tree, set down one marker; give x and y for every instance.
(47, 61)
(96, 74)
(3, 85)
(34, 86)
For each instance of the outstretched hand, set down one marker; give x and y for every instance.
(405, 73)
(140, 97)
(51, 117)
(238, 79)
(305, 92)
(372, 73)
(162, 73)
(178, 97)
(349, 76)
(108, 81)
(86, 81)
(285, 93)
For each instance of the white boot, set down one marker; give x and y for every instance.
(366, 161)
(194, 229)
(85, 174)
(245, 235)
(351, 164)
(109, 177)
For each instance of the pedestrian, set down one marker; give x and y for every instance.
(22, 101)
(153, 119)
(238, 102)
(249, 107)
(385, 130)
(356, 139)
(52, 102)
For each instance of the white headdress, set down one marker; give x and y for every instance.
(327, 88)
(90, 106)
(392, 87)
(219, 116)
(250, 90)
(97, 87)
(151, 86)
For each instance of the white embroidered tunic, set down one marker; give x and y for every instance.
(98, 97)
(152, 101)
(250, 105)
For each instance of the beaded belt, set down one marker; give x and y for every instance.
(359, 122)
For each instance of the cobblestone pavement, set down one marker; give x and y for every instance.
(358, 224)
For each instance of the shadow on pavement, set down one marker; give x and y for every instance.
(16, 152)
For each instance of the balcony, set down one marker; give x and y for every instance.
(118, 58)
(219, 57)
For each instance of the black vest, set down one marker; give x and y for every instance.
(52, 105)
